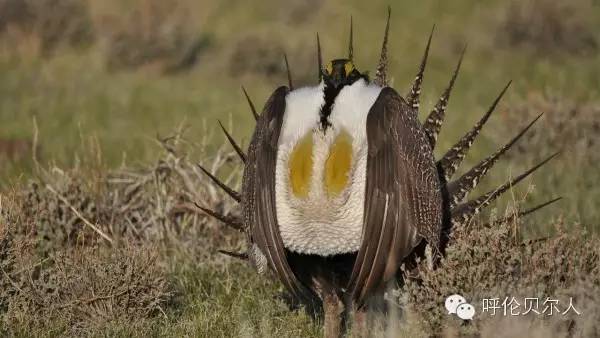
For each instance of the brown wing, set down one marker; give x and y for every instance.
(403, 201)
(259, 193)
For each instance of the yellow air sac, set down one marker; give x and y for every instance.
(338, 164)
(301, 164)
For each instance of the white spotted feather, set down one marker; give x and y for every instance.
(320, 224)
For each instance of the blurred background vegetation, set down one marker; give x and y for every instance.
(98, 81)
(121, 72)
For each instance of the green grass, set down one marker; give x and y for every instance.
(72, 96)
(223, 303)
(72, 93)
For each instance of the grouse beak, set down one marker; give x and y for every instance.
(339, 73)
(337, 80)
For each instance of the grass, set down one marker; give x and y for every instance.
(72, 93)
(156, 271)
(95, 120)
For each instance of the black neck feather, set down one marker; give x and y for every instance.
(330, 93)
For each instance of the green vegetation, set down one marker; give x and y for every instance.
(95, 88)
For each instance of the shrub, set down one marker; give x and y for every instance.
(151, 204)
(83, 252)
(155, 33)
(487, 262)
(550, 26)
(84, 289)
(52, 22)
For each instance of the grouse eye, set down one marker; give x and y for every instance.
(329, 68)
(348, 68)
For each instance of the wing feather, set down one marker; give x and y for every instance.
(402, 195)
(259, 193)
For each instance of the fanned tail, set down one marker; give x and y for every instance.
(460, 188)
(319, 59)
(289, 73)
(243, 256)
(234, 194)
(350, 43)
(413, 96)
(434, 121)
(457, 210)
(231, 221)
(522, 213)
(463, 213)
(235, 146)
(381, 73)
(252, 108)
(452, 159)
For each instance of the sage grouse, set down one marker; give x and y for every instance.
(340, 184)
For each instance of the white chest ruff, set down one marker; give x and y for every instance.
(318, 223)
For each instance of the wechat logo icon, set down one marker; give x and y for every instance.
(457, 304)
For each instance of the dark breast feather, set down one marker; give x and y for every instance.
(403, 202)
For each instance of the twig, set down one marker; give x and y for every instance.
(33, 266)
(85, 221)
(34, 145)
(162, 311)
(94, 299)
(11, 281)
(97, 298)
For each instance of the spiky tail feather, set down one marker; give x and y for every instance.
(455, 214)
(233, 222)
(458, 190)
(381, 73)
(434, 121)
(453, 157)
(252, 108)
(463, 213)
(351, 43)
(235, 146)
(453, 192)
(415, 92)
(519, 214)
(234, 194)
(319, 59)
(289, 72)
(243, 256)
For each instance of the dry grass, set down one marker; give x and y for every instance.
(126, 253)
(84, 252)
(81, 290)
